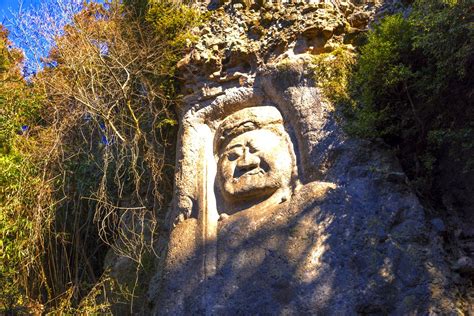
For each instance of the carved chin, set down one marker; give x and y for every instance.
(250, 186)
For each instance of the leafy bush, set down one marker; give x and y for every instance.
(332, 73)
(382, 76)
(23, 192)
(414, 80)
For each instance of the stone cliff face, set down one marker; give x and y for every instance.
(239, 40)
(344, 235)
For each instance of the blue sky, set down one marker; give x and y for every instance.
(5, 5)
(6, 9)
(40, 44)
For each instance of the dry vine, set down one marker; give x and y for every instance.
(106, 138)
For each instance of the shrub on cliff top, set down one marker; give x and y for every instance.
(413, 82)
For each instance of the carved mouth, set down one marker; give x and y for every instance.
(254, 172)
(249, 173)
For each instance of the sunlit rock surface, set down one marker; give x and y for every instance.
(276, 210)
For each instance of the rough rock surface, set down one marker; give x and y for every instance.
(239, 40)
(351, 238)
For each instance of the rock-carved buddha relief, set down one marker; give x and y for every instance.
(278, 212)
(255, 160)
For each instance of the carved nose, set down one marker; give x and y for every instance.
(248, 162)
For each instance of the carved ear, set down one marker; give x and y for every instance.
(291, 87)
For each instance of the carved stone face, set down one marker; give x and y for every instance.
(254, 165)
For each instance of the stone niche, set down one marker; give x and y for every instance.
(277, 211)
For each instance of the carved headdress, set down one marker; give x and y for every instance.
(248, 119)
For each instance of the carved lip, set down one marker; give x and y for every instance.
(253, 172)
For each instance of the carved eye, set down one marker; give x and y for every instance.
(232, 156)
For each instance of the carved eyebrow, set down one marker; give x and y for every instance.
(251, 143)
(234, 146)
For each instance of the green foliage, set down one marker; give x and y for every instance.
(86, 149)
(414, 80)
(382, 76)
(13, 232)
(20, 181)
(332, 74)
(172, 23)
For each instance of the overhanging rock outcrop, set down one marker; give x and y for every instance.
(276, 210)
